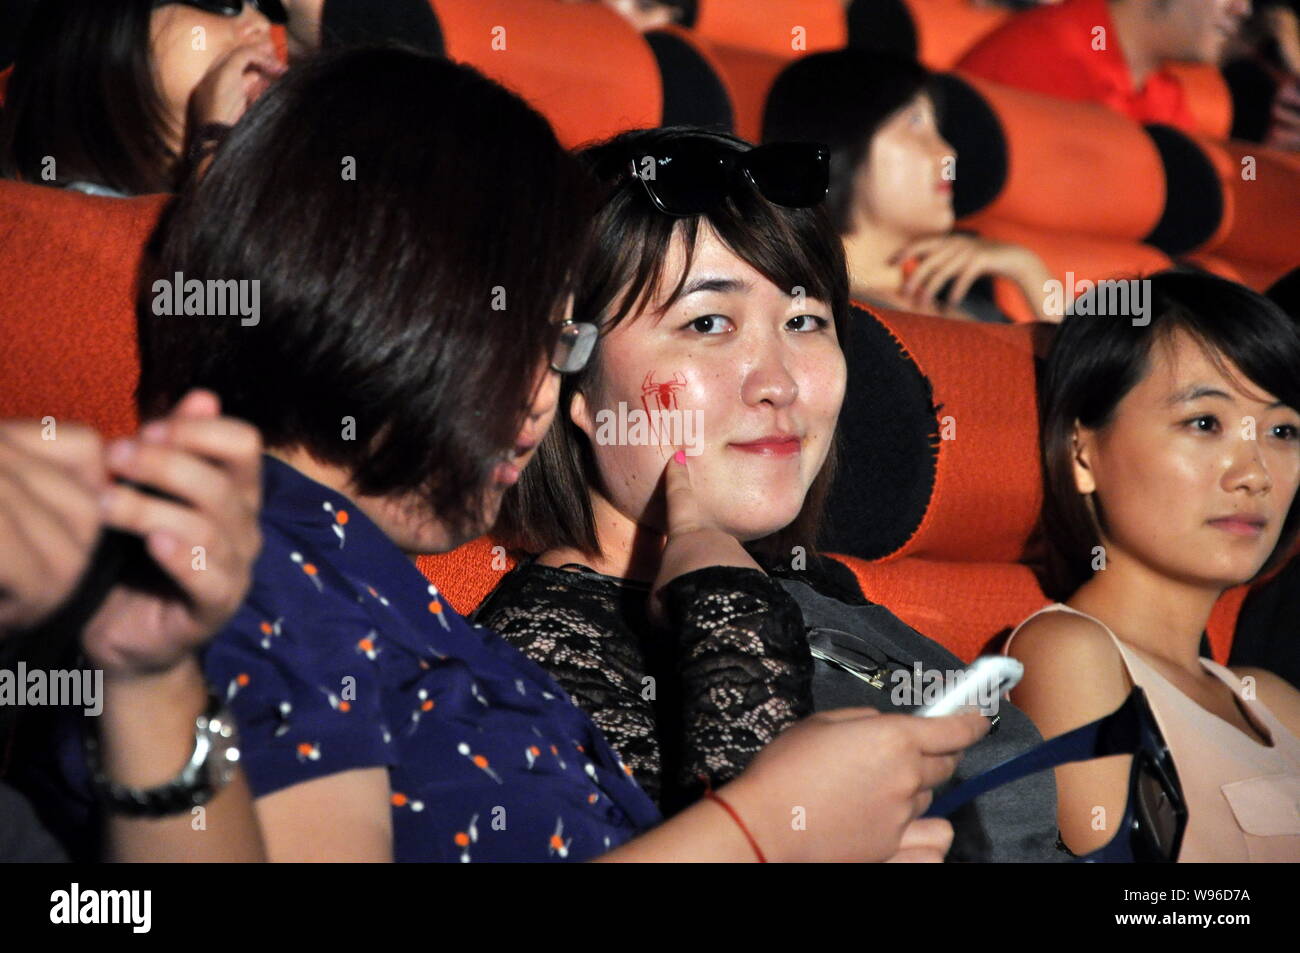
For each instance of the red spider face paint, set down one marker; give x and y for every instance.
(660, 421)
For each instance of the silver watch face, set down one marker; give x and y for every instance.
(223, 756)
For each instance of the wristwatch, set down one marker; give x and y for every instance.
(210, 768)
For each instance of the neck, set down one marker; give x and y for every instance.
(628, 549)
(339, 480)
(869, 251)
(1162, 616)
(1134, 30)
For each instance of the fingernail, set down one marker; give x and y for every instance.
(106, 500)
(680, 457)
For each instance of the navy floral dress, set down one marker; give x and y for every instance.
(344, 656)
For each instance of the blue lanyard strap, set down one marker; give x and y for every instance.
(1116, 733)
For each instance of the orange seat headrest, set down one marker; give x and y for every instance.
(579, 64)
(1072, 166)
(1207, 94)
(987, 488)
(748, 75)
(67, 304)
(1261, 194)
(785, 28)
(1086, 257)
(935, 32)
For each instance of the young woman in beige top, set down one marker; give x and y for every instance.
(1172, 455)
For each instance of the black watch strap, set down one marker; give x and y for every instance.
(210, 765)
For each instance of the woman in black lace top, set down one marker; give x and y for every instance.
(709, 411)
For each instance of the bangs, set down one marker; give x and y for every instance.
(1252, 358)
(789, 247)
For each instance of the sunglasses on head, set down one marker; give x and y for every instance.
(694, 176)
(1156, 816)
(272, 9)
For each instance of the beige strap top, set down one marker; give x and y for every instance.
(1243, 797)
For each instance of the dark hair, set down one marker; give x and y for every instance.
(550, 507)
(83, 93)
(413, 226)
(841, 98)
(1096, 360)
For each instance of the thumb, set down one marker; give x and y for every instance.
(683, 509)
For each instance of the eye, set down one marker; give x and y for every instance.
(711, 324)
(808, 322)
(1286, 432)
(1206, 423)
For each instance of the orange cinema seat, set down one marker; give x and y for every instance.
(785, 28)
(579, 64)
(67, 304)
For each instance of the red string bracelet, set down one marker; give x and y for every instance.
(708, 793)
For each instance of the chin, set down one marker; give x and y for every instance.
(746, 529)
(1224, 574)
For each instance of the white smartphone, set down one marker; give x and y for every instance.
(987, 680)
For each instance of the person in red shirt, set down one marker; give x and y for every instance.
(1109, 52)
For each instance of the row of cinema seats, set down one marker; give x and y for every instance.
(952, 520)
(944, 472)
(1093, 193)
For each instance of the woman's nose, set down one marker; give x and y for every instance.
(253, 21)
(769, 380)
(1249, 470)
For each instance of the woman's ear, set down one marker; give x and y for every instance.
(1083, 443)
(580, 414)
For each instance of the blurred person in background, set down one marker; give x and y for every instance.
(646, 15)
(1109, 51)
(113, 97)
(891, 186)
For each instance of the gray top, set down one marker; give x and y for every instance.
(858, 649)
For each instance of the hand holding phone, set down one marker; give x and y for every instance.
(988, 679)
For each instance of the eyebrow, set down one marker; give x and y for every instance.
(1197, 391)
(714, 283)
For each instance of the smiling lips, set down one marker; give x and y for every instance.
(1241, 524)
(777, 445)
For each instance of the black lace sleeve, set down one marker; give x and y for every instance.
(577, 627)
(745, 667)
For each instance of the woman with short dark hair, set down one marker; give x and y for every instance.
(1171, 450)
(111, 96)
(892, 175)
(400, 232)
(719, 286)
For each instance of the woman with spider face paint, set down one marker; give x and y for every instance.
(700, 442)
